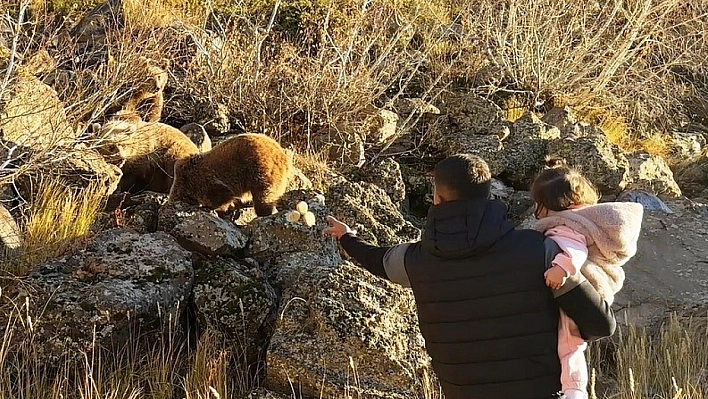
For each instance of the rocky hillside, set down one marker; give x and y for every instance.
(368, 98)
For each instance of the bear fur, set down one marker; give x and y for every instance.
(223, 178)
(147, 100)
(146, 151)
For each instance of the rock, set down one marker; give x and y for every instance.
(139, 213)
(262, 393)
(520, 207)
(344, 149)
(683, 146)
(121, 283)
(561, 118)
(650, 173)
(368, 209)
(599, 160)
(692, 176)
(5, 35)
(469, 114)
(40, 63)
(525, 150)
(215, 118)
(339, 321)
(198, 135)
(669, 271)
(32, 116)
(650, 202)
(500, 190)
(380, 127)
(419, 191)
(488, 147)
(11, 238)
(86, 165)
(34, 129)
(271, 237)
(408, 106)
(385, 174)
(473, 125)
(234, 299)
(174, 213)
(209, 235)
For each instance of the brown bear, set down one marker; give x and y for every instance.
(147, 152)
(224, 177)
(147, 99)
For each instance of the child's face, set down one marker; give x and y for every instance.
(541, 211)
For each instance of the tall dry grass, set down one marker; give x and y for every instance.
(56, 220)
(671, 363)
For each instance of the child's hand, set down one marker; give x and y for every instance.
(555, 277)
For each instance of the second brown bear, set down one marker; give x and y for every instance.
(223, 178)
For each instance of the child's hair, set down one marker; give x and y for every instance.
(558, 187)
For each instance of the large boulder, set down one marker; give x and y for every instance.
(526, 148)
(11, 238)
(37, 136)
(488, 147)
(32, 116)
(652, 174)
(272, 237)
(597, 158)
(474, 125)
(683, 145)
(669, 271)
(385, 174)
(210, 235)
(369, 210)
(467, 113)
(380, 127)
(340, 321)
(234, 299)
(692, 176)
(121, 284)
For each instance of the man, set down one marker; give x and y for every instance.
(488, 319)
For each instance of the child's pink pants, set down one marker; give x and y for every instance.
(571, 351)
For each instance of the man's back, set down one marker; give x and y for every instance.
(489, 321)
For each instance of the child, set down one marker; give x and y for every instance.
(595, 239)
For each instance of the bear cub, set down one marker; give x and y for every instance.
(223, 178)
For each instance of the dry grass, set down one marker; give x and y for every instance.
(314, 166)
(670, 364)
(57, 219)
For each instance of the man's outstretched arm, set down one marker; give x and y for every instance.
(368, 256)
(385, 262)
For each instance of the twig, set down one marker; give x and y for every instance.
(13, 52)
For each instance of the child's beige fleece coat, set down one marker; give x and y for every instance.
(611, 230)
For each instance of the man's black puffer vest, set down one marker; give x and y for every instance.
(488, 319)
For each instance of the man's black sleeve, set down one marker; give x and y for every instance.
(582, 303)
(368, 256)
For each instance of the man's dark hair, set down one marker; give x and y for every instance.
(464, 176)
